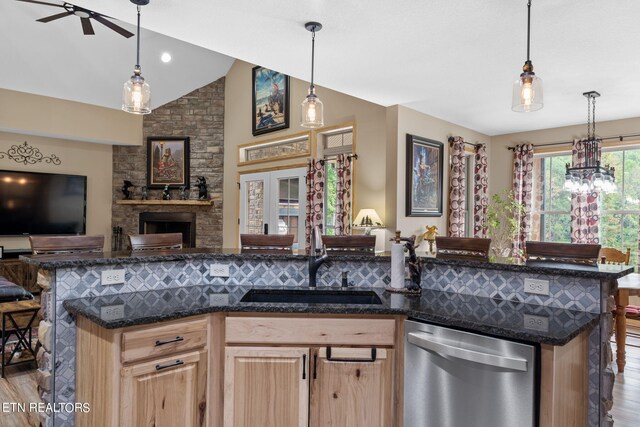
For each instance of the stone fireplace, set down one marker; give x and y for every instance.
(170, 222)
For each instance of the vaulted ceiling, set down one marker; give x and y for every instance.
(455, 60)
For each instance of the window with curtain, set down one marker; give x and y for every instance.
(551, 218)
(468, 209)
(333, 144)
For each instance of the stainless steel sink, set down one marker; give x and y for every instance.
(312, 296)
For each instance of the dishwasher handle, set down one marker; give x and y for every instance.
(428, 342)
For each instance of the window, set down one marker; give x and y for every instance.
(619, 211)
(468, 200)
(333, 143)
(284, 148)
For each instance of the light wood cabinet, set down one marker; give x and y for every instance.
(161, 392)
(266, 387)
(351, 387)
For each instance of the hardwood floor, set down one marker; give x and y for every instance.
(20, 386)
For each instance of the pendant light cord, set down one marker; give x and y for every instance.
(138, 47)
(528, 29)
(313, 54)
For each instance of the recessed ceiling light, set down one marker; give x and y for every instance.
(166, 57)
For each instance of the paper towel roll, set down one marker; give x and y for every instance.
(397, 265)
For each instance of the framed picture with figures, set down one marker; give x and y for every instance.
(270, 104)
(167, 162)
(424, 176)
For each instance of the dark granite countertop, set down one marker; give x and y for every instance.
(500, 318)
(90, 259)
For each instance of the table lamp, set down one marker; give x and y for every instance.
(368, 219)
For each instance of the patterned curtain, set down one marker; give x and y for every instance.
(480, 192)
(343, 198)
(522, 188)
(315, 198)
(585, 207)
(457, 182)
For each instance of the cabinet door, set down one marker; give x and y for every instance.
(351, 387)
(266, 387)
(165, 391)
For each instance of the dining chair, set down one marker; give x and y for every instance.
(66, 244)
(350, 245)
(266, 243)
(565, 253)
(614, 256)
(471, 248)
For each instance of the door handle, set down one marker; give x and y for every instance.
(429, 342)
(171, 365)
(336, 359)
(304, 366)
(176, 339)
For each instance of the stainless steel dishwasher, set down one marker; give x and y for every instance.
(460, 379)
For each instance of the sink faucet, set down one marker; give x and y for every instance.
(317, 255)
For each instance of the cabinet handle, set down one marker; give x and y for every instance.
(170, 365)
(176, 339)
(373, 357)
(315, 365)
(304, 366)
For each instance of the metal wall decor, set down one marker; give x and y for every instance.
(28, 155)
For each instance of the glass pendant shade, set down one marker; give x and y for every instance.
(311, 114)
(136, 95)
(527, 94)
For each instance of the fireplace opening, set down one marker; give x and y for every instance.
(170, 222)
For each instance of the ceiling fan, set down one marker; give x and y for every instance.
(85, 16)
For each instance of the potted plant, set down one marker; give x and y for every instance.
(502, 222)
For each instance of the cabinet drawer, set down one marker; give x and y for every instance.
(310, 331)
(163, 340)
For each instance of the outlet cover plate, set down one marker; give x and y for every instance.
(536, 323)
(219, 270)
(219, 299)
(536, 286)
(112, 312)
(112, 277)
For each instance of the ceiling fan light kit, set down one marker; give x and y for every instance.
(527, 90)
(311, 110)
(136, 93)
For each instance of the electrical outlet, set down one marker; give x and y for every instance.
(536, 286)
(219, 299)
(112, 312)
(536, 323)
(112, 277)
(219, 270)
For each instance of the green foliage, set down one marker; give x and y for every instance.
(502, 220)
(331, 196)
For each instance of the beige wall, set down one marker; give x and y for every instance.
(369, 120)
(36, 115)
(412, 122)
(78, 158)
(500, 159)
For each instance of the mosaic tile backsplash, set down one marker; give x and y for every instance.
(581, 294)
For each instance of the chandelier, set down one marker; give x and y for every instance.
(588, 174)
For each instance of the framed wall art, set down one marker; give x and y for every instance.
(270, 101)
(167, 162)
(424, 176)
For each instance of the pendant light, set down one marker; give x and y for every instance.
(527, 90)
(590, 175)
(311, 114)
(136, 94)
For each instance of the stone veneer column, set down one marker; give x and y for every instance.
(46, 337)
(200, 116)
(607, 376)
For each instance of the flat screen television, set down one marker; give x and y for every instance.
(42, 203)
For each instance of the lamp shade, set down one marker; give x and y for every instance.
(368, 218)
(527, 93)
(136, 95)
(311, 114)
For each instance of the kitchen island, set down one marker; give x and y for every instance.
(476, 296)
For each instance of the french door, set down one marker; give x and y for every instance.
(274, 203)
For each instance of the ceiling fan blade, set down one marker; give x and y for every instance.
(41, 2)
(87, 28)
(118, 29)
(54, 17)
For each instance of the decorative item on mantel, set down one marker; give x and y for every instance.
(429, 236)
(166, 194)
(126, 192)
(412, 285)
(28, 155)
(145, 192)
(203, 193)
(182, 191)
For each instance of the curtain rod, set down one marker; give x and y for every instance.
(467, 143)
(353, 156)
(608, 138)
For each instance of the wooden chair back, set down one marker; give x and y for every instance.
(266, 243)
(614, 256)
(155, 242)
(462, 248)
(350, 245)
(66, 244)
(567, 253)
